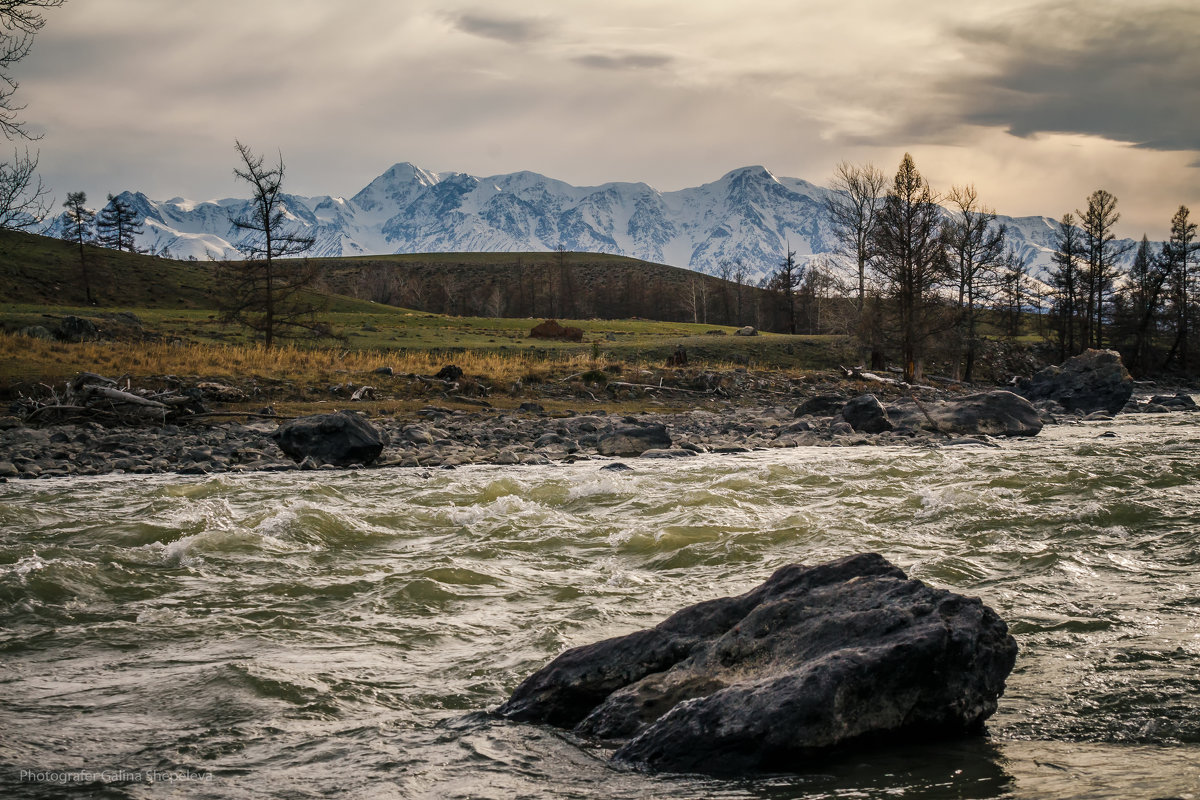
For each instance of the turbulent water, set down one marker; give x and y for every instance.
(344, 634)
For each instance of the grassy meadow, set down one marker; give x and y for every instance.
(159, 318)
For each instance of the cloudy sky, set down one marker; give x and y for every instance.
(1036, 102)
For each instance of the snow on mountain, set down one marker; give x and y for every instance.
(748, 216)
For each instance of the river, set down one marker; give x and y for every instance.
(317, 634)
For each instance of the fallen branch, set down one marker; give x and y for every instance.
(117, 396)
(652, 388)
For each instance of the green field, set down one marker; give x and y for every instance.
(151, 311)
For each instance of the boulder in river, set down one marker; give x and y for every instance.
(824, 405)
(634, 441)
(1095, 380)
(997, 413)
(340, 439)
(866, 415)
(849, 652)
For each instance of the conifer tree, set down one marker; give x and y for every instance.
(1181, 265)
(908, 257)
(117, 225)
(1066, 277)
(78, 229)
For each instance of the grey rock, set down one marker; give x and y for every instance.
(747, 330)
(668, 453)
(866, 415)
(341, 439)
(418, 435)
(1095, 380)
(77, 329)
(633, 441)
(996, 413)
(7, 470)
(1174, 402)
(822, 406)
(816, 658)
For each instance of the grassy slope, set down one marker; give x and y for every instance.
(175, 301)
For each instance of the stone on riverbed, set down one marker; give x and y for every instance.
(847, 652)
(866, 415)
(634, 441)
(1095, 380)
(340, 439)
(996, 413)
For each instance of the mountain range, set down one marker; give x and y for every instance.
(749, 215)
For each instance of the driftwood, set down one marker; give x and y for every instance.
(118, 396)
(89, 396)
(650, 387)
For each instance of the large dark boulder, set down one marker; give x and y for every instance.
(866, 415)
(1095, 380)
(997, 413)
(835, 655)
(634, 441)
(824, 405)
(340, 439)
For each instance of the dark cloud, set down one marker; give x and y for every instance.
(1128, 72)
(513, 30)
(623, 62)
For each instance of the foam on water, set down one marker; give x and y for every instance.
(340, 633)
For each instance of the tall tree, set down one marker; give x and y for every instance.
(267, 292)
(1101, 254)
(1140, 301)
(975, 249)
(1067, 280)
(78, 229)
(908, 256)
(784, 282)
(117, 225)
(852, 207)
(1013, 275)
(23, 196)
(1180, 263)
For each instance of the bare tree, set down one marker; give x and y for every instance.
(20, 20)
(975, 248)
(23, 196)
(852, 208)
(907, 254)
(269, 292)
(78, 229)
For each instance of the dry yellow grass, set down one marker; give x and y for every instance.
(23, 358)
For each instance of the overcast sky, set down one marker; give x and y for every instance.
(1036, 102)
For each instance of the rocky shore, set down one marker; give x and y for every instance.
(441, 437)
(864, 409)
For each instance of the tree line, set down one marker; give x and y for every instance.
(929, 268)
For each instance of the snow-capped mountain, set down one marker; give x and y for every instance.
(748, 216)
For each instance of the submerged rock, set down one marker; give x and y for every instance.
(815, 658)
(340, 439)
(1095, 380)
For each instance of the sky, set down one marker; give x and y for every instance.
(1035, 102)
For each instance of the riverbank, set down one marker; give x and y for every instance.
(441, 436)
